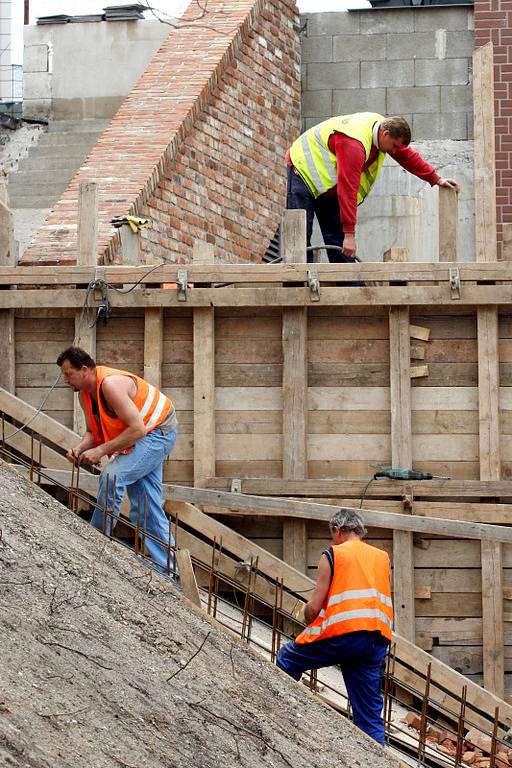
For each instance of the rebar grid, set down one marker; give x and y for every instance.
(424, 752)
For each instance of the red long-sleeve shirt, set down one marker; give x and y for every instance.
(350, 158)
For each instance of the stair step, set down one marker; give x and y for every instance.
(49, 164)
(77, 126)
(36, 202)
(67, 140)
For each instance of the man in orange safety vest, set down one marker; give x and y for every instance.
(349, 620)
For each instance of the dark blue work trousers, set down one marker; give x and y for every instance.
(361, 657)
(327, 211)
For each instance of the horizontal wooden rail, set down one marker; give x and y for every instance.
(232, 296)
(239, 503)
(269, 486)
(256, 273)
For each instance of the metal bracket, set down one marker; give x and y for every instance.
(236, 485)
(454, 277)
(182, 284)
(314, 284)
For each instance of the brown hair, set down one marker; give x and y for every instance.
(76, 357)
(398, 128)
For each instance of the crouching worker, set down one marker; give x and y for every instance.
(350, 618)
(135, 425)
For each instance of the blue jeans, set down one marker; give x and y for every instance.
(361, 657)
(327, 211)
(140, 474)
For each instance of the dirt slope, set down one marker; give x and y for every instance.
(88, 641)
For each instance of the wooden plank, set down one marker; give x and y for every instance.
(48, 428)
(380, 489)
(418, 332)
(85, 330)
(261, 505)
(187, 577)
(295, 389)
(488, 360)
(153, 345)
(448, 224)
(396, 254)
(506, 244)
(7, 337)
(258, 273)
(401, 456)
(410, 295)
(484, 154)
(204, 379)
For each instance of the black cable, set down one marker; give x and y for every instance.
(370, 481)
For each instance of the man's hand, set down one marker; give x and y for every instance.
(72, 454)
(349, 245)
(92, 456)
(449, 184)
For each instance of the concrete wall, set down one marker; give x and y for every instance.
(75, 71)
(5, 51)
(410, 61)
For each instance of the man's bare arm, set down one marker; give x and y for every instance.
(116, 392)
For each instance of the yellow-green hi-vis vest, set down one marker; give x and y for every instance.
(316, 164)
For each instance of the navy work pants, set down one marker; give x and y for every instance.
(361, 657)
(327, 211)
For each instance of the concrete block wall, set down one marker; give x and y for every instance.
(198, 145)
(410, 61)
(493, 22)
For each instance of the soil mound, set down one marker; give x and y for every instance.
(103, 664)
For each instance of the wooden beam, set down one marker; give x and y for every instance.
(51, 430)
(295, 388)
(271, 506)
(396, 254)
(7, 328)
(381, 296)
(187, 577)
(153, 345)
(488, 361)
(204, 379)
(85, 331)
(382, 489)
(484, 154)
(130, 244)
(257, 273)
(401, 456)
(448, 225)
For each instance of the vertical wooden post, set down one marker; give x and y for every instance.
(448, 224)
(401, 456)
(204, 379)
(484, 153)
(295, 389)
(87, 256)
(130, 245)
(7, 259)
(153, 345)
(401, 453)
(488, 362)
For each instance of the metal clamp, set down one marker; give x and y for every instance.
(236, 485)
(454, 278)
(314, 284)
(182, 284)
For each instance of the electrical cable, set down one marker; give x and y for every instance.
(93, 284)
(370, 481)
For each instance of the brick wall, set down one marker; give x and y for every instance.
(493, 22)
(410, 61)
(198, 145)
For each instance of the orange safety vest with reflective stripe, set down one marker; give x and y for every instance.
(359, 597)
(153, 406)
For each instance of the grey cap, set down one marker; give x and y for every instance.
(347, 520)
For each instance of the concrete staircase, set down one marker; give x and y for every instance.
(43, 175)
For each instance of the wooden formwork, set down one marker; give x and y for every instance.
(287, 380)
